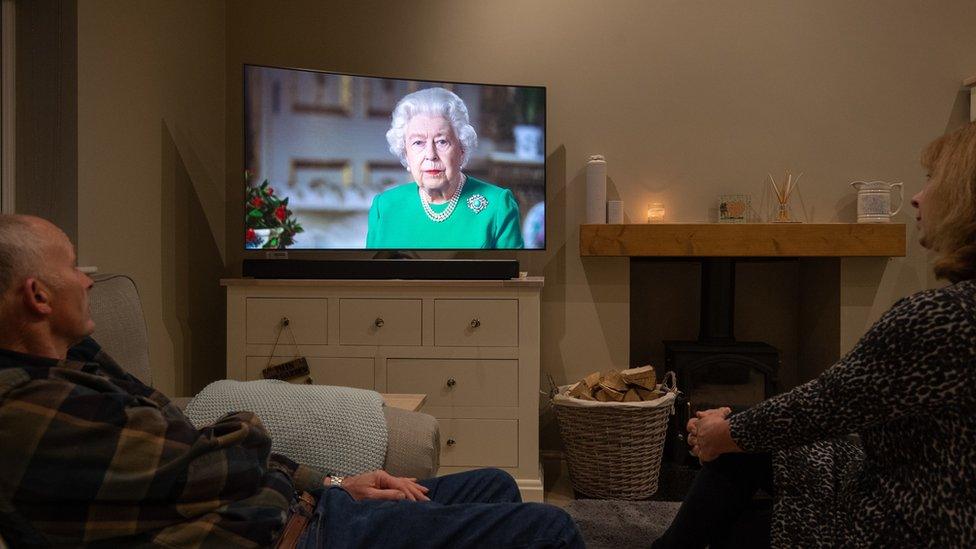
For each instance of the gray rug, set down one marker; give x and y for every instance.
(610, 524)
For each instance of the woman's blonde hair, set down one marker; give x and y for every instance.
(951, 202)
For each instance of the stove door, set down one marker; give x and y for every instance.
(717, 380)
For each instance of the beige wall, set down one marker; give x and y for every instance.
(151, 169)
(688, 100)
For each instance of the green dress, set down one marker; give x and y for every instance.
(486, 216)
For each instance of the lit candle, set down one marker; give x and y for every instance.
(655, 212)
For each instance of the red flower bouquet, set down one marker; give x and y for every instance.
(266, 211)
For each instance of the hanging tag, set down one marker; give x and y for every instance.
(296, 367)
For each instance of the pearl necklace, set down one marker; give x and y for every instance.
(439, 217)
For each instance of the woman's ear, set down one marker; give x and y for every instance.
(37, 297)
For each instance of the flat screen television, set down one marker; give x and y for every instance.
(336, 161)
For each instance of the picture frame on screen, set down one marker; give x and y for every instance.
(320, 93)
(334, 161)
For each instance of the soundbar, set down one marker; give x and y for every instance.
(419, 269)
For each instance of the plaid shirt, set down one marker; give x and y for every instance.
(91, 455)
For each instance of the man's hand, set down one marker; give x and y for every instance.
(709, 435)
(381, 485)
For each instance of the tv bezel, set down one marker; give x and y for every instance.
(347, 253)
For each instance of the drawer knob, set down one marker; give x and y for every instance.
(379, 322)
(451, 442)
(451, 382)
(475, 323)
(285, 322)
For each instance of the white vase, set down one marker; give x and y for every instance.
(528, 141)
(260, 237)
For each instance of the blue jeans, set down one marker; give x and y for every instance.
(480, 508)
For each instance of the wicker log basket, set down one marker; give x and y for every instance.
(614, 449)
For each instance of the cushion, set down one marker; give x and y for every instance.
(413, 448)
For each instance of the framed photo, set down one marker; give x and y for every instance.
(733, 208)
(321, 93)
(317, 184)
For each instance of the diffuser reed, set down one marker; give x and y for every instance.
(783, 192)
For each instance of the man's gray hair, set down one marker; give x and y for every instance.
(432, 102)
(21, 250)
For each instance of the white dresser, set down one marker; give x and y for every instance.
(472, 346)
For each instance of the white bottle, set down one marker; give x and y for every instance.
(596, 190)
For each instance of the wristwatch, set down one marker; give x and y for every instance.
(336, 481)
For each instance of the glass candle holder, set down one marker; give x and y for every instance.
(655, 212)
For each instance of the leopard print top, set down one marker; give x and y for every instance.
(908, 389)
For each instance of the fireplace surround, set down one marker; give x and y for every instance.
(660, 286)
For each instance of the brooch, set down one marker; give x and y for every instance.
(477, 203)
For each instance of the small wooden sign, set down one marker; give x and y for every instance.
(296, 367)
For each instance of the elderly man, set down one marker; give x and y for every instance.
(91, 455)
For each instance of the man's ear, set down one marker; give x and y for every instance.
(37, 297)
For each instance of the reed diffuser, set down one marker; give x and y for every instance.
(784, 191)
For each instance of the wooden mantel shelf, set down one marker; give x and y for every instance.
(743, 240)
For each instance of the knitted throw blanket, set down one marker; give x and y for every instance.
(338, 430)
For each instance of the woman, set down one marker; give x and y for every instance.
(908, 389)
(442, 207)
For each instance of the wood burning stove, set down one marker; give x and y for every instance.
(716, 370)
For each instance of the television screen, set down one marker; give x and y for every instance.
(340, 162)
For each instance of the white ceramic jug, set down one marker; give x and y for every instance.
(874, 200)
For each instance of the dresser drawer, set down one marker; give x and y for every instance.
(379, 321)
(307, 320)
(476, 322)
(345, 372)
(455, 382)
(479, 442)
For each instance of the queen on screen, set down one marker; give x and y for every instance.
(431, 135)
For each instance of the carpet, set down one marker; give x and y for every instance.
(612, 524)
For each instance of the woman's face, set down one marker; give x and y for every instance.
(433, 153)
(923, 207)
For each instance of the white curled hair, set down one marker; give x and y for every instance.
(432, 102)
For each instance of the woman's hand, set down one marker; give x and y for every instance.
(381, 485)
(692, 426)
(709, 435)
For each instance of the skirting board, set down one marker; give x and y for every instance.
(531, 489)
